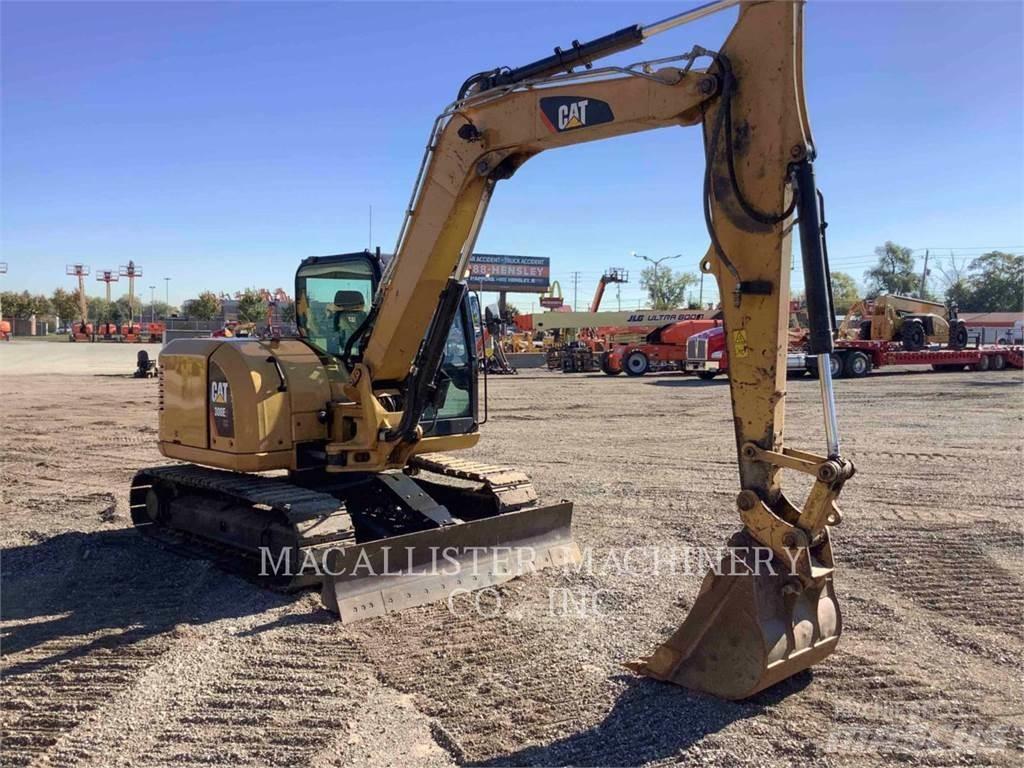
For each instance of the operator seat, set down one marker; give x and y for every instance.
(349, 310)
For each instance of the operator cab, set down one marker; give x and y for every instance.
(333, 295)
(333, 298)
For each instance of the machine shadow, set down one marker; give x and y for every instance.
(649, 721)
(81, 592)
(687, 381)
(1015, 381)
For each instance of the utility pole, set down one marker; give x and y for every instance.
(167, 291)
(131, 270)
(924, 273)
(575, 288)
(656, 263)
(3, 271)
(701, 299)
(152, 304)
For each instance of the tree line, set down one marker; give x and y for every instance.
(64, 305)
(992, 282)
(252, 306)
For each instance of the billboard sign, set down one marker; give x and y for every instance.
(515, 274)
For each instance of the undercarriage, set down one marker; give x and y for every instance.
(362, 537)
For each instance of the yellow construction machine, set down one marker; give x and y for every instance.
(913, 322)
(362, 414)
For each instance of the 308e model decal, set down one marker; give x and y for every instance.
(220, 402)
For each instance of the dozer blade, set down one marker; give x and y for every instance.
(748, 629)
(400, 572)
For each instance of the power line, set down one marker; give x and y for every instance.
(969, 248)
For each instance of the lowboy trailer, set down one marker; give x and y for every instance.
(855, 358)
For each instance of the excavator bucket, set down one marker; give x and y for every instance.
(400, 572)
(750, 627)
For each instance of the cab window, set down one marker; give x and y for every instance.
(457, 367)
(332, 301)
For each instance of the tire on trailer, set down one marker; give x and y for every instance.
(982, 364)
(958, 335)
(857, 365)
(913, 336)
(606, 367)
(997, 362)
(636, 363)
(836, 364)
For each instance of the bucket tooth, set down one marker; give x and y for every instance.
(748, 629)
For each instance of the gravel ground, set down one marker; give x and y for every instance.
(118, 653)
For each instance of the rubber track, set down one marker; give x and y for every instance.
(510, 486)
(295, 502)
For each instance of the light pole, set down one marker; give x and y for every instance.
(167, 291)
(656, 263)
(152, 304)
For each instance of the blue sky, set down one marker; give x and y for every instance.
(218, 144)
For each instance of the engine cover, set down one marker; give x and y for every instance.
(241, 404)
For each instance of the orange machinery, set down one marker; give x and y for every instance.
(662, 348)
(108, 332)
(131, 332)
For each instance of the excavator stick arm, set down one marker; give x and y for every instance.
(749, 630)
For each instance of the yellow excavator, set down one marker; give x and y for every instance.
(362, 414)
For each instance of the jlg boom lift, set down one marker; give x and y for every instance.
(82, 330)
(366, 408)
